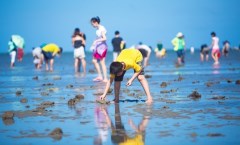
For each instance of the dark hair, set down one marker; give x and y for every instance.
(61, 50)
(203, 46)
(117, 32)
(116, 67)
(76, 32)
(95, 19)
(225, 42)
(213, 34)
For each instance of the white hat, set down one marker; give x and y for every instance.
(179, 34)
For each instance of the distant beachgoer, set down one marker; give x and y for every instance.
(148, 50)
(204, 52)
(179, 46)
(99, 50)
(49, 52)
(160, 52)
(117, 43)
(38, 57)
(12, 49)
(215, 48)
(127, 59)
(192, 50)
(226, 48)
(78, 42)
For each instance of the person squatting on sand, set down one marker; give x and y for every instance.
(78, 43)
(99, 48)
(148, 50)
(226, 48)
(49, 52)
(160, 52)
(127, 59)
(204, 52)
(37, 57)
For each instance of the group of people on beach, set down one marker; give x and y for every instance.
(136, 57)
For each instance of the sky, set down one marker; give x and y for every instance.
(148, 21)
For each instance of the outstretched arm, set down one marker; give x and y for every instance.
(129, 83)
(109, 83)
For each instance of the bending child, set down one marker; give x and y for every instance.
(127, 59)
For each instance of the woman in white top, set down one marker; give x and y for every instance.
(215, 48)
(99, 47)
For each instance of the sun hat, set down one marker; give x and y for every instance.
(179, 34)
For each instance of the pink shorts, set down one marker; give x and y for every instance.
(100, 50)
(216, 51)
(99, 56)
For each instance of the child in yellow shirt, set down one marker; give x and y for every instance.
(127, 59)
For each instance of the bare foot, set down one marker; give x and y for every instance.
(97, 79)
(149, 101)
(105, 80)
(114, 101)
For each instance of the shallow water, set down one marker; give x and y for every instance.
(172, 119)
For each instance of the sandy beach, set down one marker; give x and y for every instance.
(198, 103)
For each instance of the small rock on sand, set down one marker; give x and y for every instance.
(195, 95)
(218, 98)
(8, 115)
(163, 85)
(214, 134)
(18, 93)
(103, 101)
(35, 78)
(56, 134)
(79, 97)
(238, 82)
(23, 100)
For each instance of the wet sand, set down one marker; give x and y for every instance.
(197, 103)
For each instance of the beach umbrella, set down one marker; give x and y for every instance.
(18, 41)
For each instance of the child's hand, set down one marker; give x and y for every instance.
(129, 83)
(102, 97)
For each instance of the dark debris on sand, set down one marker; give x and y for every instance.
(75, 100)
(56, 134)
(238, 82)
(7, 117)
(163, 85)
(195, 95)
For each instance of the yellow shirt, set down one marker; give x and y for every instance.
(137, 140)
(53, 48)
(178, 44)
(130, 57)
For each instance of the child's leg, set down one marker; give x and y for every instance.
(144, 83)
(97, 67)
(117, 86)
(201, 57)
(51, 64)
(46, 64)
(104, 69)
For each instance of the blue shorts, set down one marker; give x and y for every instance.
(47, 55)
(180, 53)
